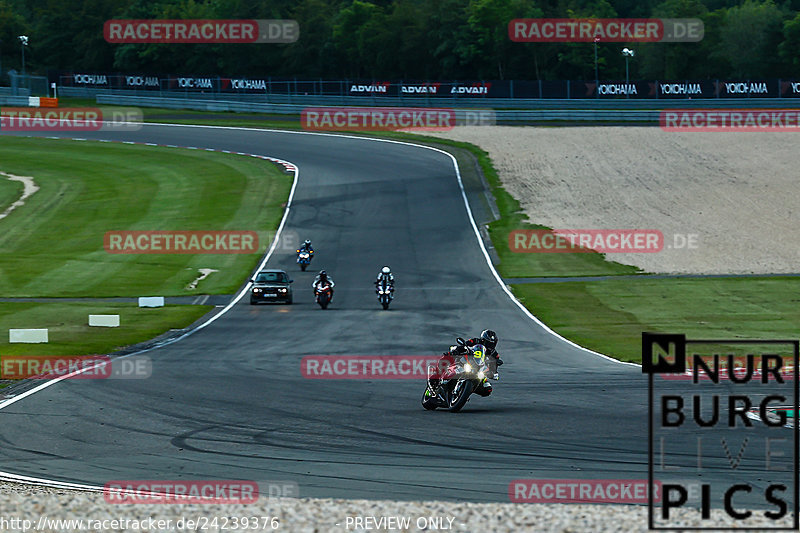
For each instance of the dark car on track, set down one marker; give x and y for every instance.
(271, 286)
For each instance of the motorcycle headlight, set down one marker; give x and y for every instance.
(481, 375)
(256, 289)
(467, 367)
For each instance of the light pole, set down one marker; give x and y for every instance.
(596, 77)
(628, 53)
(23, 39)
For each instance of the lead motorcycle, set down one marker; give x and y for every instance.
(304, 258)
(450, 384)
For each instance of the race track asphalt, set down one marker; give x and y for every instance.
(229, 401)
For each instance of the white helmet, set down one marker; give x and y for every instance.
(386, 270)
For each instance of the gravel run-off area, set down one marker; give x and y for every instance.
(27, 502)
(738, 193)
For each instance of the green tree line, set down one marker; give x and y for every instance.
(407, 39)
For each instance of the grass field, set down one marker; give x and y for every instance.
(68, 324)
(10, 191)
(54, 245)
(609, 316)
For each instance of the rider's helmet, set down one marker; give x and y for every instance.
(323, 274)
(386, 270)
(489, 338)
(307, 243)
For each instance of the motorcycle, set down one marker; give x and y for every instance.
(304, 259)
(385, 294)
(462, 376)
(323, 293)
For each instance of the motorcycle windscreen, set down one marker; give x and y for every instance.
(478, 357)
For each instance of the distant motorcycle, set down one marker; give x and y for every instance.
(323, 293)
(304, 258)
(457, 379)
(385, 293)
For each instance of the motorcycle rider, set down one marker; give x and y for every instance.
(323, 278)
(385, 275)
(488, 339)
(306, 247)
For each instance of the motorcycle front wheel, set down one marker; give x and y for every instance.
(460, 395)
(429, 402)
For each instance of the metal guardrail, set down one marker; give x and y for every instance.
(503, 116)
(621, 113)
(10, 91)
(493, 103)
(506, 116)
(16, 101)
